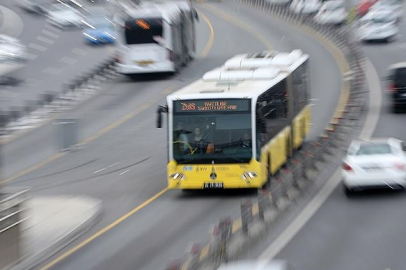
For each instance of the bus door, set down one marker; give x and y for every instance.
(145, 41)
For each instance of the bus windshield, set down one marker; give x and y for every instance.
(143, 31)
(212, 138)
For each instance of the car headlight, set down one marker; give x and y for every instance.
(178, 176)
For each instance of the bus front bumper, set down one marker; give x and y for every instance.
(153, 68)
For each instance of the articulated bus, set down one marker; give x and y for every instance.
(156, 37)
(239, 124)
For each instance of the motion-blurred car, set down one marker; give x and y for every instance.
(64, 16)
(257, 265)
(306, 7)
(397, 85)
(280, 2)
(11, 50)
(364, 6)
(34, 6)
(332, 12)
(374, 163)
(394, 6)
(99, 31)
(378, 25)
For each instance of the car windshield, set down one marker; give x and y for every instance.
(378, 21)
(399, 77)
(374, 149)
(390, 3)
(334, 7)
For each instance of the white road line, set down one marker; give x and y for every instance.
(100, 170)
(67, 60)
(53, 28)
(45, 40)
(370, 124)
(113, 165)
(125, 172)
(53, 71)
(79, 52)
(37, 47)
(31, 56)
(49, 33)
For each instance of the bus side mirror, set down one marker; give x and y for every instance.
(161, 109)
(196, 14)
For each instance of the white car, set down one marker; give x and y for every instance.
(11, 50)
(394, 6)
(306, 7)
(64, 16)
(257, 265)
(332, 12)
(374, 163)
(378, 25)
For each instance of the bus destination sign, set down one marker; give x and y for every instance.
(226, 105)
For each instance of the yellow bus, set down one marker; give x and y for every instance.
(237, 125)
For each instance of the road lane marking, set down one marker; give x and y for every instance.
(209, 43)
(104, 230)
(114, 164)
(49, 33)
(239, 24)
(45, 40)
(79, 52)
(52, 71)
(37, 47)
(100, 170)
(126, 171)
(67, 60)
(31, 56)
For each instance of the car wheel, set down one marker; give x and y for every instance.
(395, 109)
(348, 191)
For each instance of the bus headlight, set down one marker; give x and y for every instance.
(177, 176)
(249, 175)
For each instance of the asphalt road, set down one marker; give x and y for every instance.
(365, 232)
(55, 56)
(126, 165)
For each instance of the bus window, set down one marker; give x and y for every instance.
(143, 31)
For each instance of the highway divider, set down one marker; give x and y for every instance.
(232, 235)
(48, 103)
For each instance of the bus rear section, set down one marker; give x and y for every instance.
(145, 47)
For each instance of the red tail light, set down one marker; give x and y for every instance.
(393, 88)
(347, 167)
(400, 166)
(170, 55)
(118, 59)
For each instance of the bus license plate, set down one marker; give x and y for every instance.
(213, 185)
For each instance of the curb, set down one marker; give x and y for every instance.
(34, 260)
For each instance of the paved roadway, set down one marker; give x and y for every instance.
(55, 56)
(126, 166)
(365, 232)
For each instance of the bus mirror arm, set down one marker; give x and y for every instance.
(161, 109)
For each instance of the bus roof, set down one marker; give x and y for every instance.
(243, 76)
(169, 11)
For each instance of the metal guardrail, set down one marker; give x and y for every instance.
(302, 169)
(51, 102)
